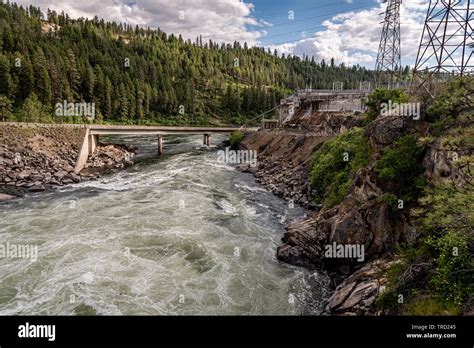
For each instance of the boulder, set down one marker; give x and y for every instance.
(36, 177)
(37, 188)
(358, 293)
(73, 177)
(4, 197)
(385, 130)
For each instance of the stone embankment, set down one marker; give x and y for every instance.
(38, 158)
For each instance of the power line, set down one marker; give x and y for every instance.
(291, 22)
(303, 9)
(303, 39)
(318, 27)
(320, 34)
(295, 32)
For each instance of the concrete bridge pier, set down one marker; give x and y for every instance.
(160, 145)
(93, 142)
(207, 139)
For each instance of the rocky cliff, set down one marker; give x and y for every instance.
(362, 218)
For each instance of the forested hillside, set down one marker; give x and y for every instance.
(137, 75)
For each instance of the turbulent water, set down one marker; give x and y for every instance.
(183, 234)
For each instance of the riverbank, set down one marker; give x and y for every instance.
(35, 158)
(369, 213)
(284, 166)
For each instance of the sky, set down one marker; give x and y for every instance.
(347, 30)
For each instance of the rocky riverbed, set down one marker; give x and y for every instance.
(37, 158)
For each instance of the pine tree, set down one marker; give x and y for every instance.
(73, 74)
(6, 82)
(5, 108)
(107, 101)
(88, 84)
(123, 103)
(32, 110)
(42, 79)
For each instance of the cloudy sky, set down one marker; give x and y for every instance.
(348, 30)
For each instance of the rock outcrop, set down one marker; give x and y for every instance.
(357, 294)
(444, 164)
(362, 219)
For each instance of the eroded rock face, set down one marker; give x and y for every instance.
(361, 219)
(386, 130)
(441, 165)
(324, 124)
(357, 294)
(284, 157)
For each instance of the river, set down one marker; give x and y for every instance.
(178, 235)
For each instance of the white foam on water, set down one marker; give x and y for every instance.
(127, 245)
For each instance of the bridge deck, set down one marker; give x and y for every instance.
(127, 129)
(161, 130)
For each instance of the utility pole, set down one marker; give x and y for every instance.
(388, 66)
(444, 49)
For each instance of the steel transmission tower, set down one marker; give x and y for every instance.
(388, 66)
(444, 48)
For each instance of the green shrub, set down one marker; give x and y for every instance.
(452, 100)
(388, 300)
(235, 139)
(401, 170)
(331, 175)
(34, 111)
(445, 219)
(391, 200)
(380, 96)
(446, 216)
(430, 306)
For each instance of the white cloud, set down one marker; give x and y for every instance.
(353, 38)
(222, 20)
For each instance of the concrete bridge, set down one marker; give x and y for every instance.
(91, 137)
